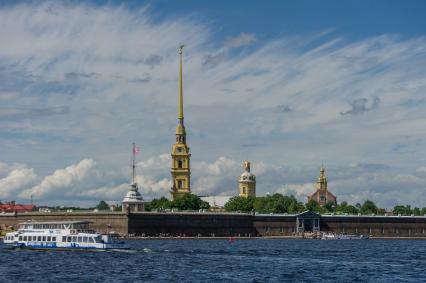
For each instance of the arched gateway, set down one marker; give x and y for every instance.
(308, 221)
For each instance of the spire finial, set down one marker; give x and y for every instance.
(180, 109)
(247, 165)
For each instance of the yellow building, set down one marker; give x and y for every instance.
(180, 151)
(247, 182)
(322, 195)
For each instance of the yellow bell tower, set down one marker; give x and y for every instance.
(180, 151)
(247, 182)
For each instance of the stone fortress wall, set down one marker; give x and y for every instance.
(209, 224)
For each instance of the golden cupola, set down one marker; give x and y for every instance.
(322, 180)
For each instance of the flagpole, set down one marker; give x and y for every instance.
(133, 166)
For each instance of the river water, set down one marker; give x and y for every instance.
(256, 260)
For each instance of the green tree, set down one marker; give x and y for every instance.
(102, 205)
(350, 209)
(402, 210)
(417, 211)
(161, 203)
(296, 207)
(238, 203)
(313, 205)
(278, 203)
(368, 207)
(189, 202)
(330, 206)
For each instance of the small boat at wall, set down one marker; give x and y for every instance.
(342, 236)
(61, 235)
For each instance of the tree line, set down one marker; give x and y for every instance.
(278, 203)
(186, 202)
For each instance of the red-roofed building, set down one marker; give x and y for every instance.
(11, 207)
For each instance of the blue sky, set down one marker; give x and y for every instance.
(290, 85)
(269, 19)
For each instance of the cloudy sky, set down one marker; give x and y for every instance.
(289, 86)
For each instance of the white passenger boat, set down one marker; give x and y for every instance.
(334, 236)
(61, 235)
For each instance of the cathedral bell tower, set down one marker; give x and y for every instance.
(323, 195)
(247, 182)
(180, 151)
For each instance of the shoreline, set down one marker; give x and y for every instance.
(260, 238)
(255, 238)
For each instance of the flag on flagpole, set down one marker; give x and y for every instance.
(136, 150)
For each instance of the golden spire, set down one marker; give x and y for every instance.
(322, 180)
(180, 128)
(247, 165)
(180, 110)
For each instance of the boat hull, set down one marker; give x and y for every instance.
(70, 248)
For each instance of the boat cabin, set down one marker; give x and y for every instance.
(74, 226)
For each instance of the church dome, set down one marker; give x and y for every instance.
(133, 196)
(247, 177)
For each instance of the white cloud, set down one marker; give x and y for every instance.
(241, 40)
(61, 179)
(16, 180)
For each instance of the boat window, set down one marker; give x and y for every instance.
(48, 238)
(69, 239)
(79, 240)
(64, 239)
(44, 238)
(74, 239)
(20, 238)
(53, 239)
(91, 240)
(98, 239)
(39, 238)
(85, 239)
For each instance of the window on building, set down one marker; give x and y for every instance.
(180, 164)
(179, 184)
